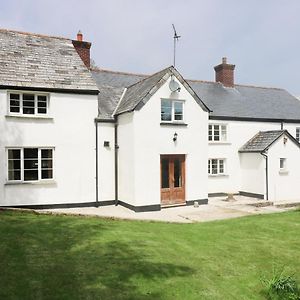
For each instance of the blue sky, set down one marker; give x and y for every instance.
(262, 38)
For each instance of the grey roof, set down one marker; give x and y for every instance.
(111, 85)
(264, 139)
(247, 101)
(36, 61)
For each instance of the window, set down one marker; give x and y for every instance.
(217, 132)
(282, 164)
(298, 134)
(28, 104)
(171, 110)
(30, 164)
(216, 166)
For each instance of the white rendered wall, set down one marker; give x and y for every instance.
(106, 162)
(152, 139)
(239, 132)
(71, 132)
(253, 174)
(284, 185)
(126, 159)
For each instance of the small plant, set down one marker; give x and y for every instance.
(281, 286)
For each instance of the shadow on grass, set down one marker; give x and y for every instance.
(44, 257)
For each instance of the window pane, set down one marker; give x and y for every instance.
(42, 104)
(210, 132)
(298, 134)
(14, 164)
(216, 133)
(214, 166)
(223, 133)
(177, 173)
(30, 175)
(221, 166)
(165, 173)
(282, 163)
(46, 153)
(47, 174)
(46, 163)
(30, 153)
(14, 102)
(178, 111)
(28, 104)
(166, 110)
(209, 166)
(30, 164)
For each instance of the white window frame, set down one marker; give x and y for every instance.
(220, 129)
(173, 101)
(40, 179)
(209, 171)
(283, 165)
(35, 94)
(298, 134)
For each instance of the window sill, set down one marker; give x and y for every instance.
(283, 172)
(218, 175)
(173, 124)
(30, 117)
(218, 143)
(41, 182)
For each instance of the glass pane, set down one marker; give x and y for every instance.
(28, 104)
(47, 174)
(221, 166)
(30, 164)
(46, 153)
(165, 173)
(177, 173)
(14, 164)
(30, 175)
(216, 133)
(223, 133)
(208, 166)
(46, 163)
(178, 110)
(14, 103)
(14, 154)
(31, 153)
(209, 132)
(42, 104)
(14, 175)
(214, 166)
(14, 96)
(166, 110)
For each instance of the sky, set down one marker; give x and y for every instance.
(262, 38)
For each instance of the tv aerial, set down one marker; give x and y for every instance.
(176, 38)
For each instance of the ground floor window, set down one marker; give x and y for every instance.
(29, 164)
(216, 166)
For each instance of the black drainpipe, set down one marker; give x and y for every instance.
(116, 162)
(267, 175)
(97, 192)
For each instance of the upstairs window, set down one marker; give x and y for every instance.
(298, 134)
(282, 164)
(28, 104)
(30, 164)
(172, 110)
(217, 133)
(216, 166)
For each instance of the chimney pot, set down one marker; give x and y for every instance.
(225, 73)
(79, 36)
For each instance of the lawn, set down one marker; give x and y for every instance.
(67, 257)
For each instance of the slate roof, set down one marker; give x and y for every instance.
(263, 140)
(245, 102)
(36, 61)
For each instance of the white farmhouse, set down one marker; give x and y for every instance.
(144, 142)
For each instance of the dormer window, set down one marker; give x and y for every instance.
(172, 110)
(28, 103)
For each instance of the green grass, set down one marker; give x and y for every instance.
(66, 257)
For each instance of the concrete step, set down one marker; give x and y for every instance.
(288, 204)
(262, 203)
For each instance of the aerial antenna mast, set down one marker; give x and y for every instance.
(176, 38)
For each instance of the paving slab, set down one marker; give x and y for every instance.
(216, 209)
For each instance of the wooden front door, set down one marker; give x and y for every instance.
(172, 170)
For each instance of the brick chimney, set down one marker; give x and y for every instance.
(83, 49)
(225, 73)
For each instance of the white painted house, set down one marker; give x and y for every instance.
(144, 141)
